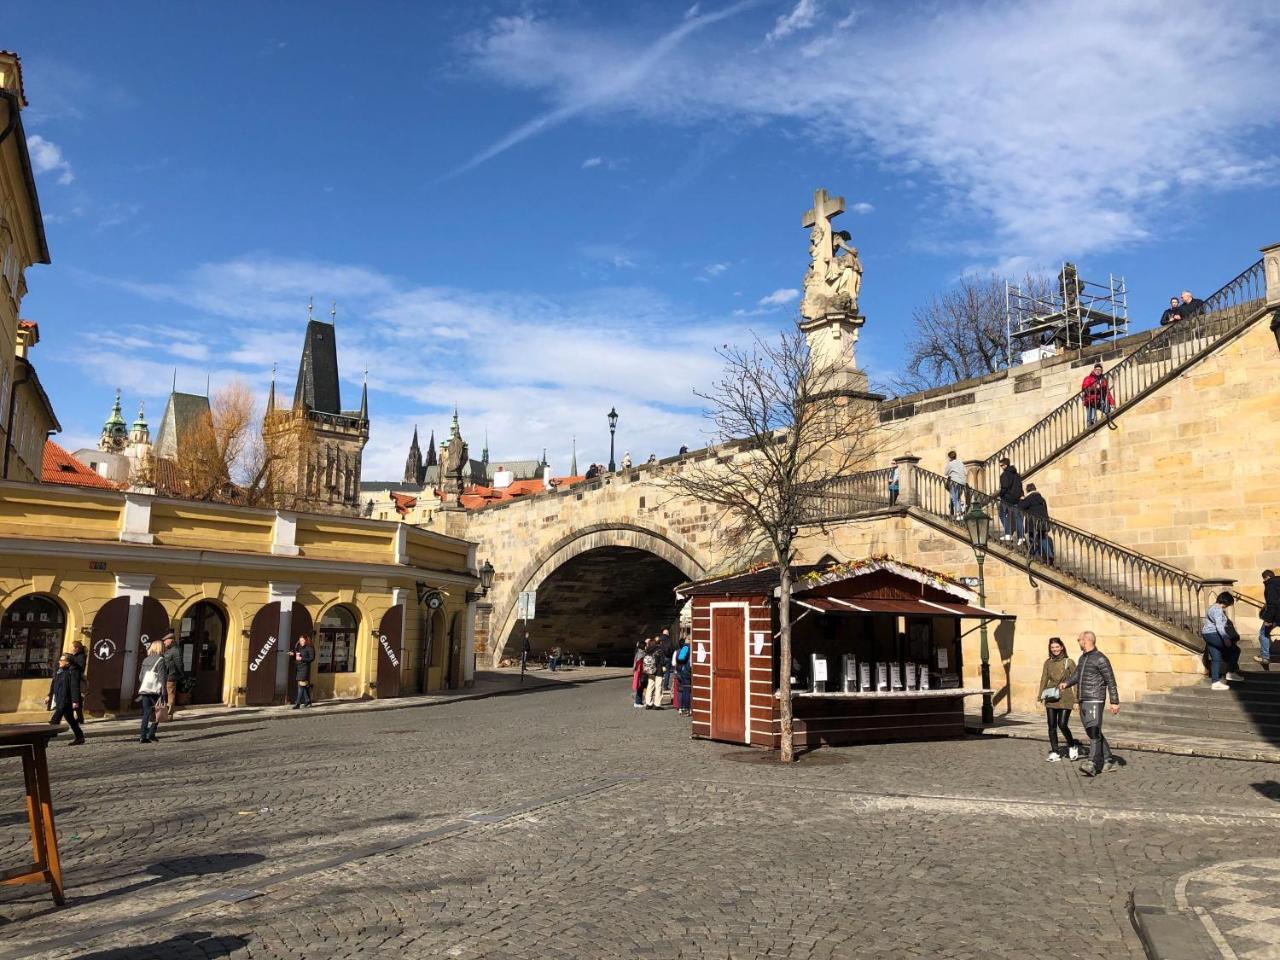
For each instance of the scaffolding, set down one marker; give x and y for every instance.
(1074, 314)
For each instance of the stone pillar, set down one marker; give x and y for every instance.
(908, 480)
(976, 471)
(136, 587)
(135, 522)
(1271, 269)
(284, 535)
(1214, 586)
(285, 593)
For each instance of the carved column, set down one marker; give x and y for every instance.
(908, 480)
(976, 471)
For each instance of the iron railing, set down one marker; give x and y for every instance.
(1224, 312)
(1156, 588)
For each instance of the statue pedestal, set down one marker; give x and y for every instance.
(833, 337)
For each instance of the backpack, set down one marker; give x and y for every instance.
(650, 663)
(151, 681)
(682, 655)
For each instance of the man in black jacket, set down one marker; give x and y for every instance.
(1173, 314)
(1010, 494)
(1036, 511)
(1094, 681)
(173, 671)
(64, 697)
(1191, 305)
(1270, 614)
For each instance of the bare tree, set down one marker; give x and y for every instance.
(960, 334)
(787, 430)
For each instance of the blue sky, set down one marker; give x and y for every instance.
(540, 211)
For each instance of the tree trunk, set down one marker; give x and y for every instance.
(788, 750)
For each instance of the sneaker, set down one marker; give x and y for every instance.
(1235, 677)
(1112, 764)
(1218, 685)
(1073, 753)
(1262, 661)
(1052, 757)
(1006, 537)
(1087, 771)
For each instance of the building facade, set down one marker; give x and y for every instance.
(390, 606)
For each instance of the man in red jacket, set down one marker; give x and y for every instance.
(1097, 395)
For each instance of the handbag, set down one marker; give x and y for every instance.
(1050, 694)
(161, 713)
(1233, 635)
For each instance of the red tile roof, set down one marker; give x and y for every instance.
(61, 467)
(477, 496)
(403, 502)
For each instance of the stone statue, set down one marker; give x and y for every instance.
(453, 460)
(834, 277)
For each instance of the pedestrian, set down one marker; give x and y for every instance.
(684, 675)
(1270, 614)
(1221, 641)
(1097, 395)
(684, 448)
(956, 479)
(64, 697)
(637, 674)
(1010, 495)
(303, 654)
(1191, 306)
(667, 649)
(653, 675)
(593, 471)
(893, 485)
(554, 662)
(1173, 314)
(151, 690)
(79, 660)
(653, 458)
(1036, 511)
(1094, 681)
(173, 672)
(1058, 702)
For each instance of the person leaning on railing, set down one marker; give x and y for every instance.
(1097, 394)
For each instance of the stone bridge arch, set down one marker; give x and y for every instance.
(637, 566)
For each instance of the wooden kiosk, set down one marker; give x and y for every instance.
(876, 654)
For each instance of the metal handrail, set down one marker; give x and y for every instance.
(1224, 312)
(848, 496)
(1154, 587)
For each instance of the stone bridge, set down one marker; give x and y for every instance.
(603, 557)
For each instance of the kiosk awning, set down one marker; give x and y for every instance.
(917, 608)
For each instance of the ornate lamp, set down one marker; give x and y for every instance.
(613, 427)
(486, 581)
(978, 524)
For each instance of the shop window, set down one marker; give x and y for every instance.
(31, 636)
(336, 641)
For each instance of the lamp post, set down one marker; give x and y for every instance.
(978, 525)
(613, 426)
(486, 581)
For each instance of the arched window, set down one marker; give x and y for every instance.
(31, 636)
(336, 641)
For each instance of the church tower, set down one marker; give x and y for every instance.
(317, 445)
(413, 465)
(115, 433)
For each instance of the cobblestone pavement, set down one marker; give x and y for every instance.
(565, 823)
(1239, 904)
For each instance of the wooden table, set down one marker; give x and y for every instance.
(28, 742)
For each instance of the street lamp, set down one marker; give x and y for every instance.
(486, 581)
(978, 524)
(613, 426)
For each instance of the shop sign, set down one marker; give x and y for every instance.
(386, 648)
(263, 653)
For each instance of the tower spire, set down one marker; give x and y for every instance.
(573, 464)
(333, 316)
(364, 395)
(271, 394)
(175, 381)
(311, 302)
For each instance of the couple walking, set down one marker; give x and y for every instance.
(1094, 682)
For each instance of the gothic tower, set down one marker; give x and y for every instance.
(413, 465)
(316, 445)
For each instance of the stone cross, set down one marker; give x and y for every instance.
(825, 209)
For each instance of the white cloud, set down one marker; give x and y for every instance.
(780, 298)
(1038, 154)
(590, 162)
(534, 370)
(862, 207)
(801, 17)
(713, 270)
(47, 157)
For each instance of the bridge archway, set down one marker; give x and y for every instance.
(598, 591)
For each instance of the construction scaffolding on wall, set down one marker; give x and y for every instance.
(1074, 314)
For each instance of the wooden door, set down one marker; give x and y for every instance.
(104, 666)
(264, 637)
(389, 652)
(728, 675)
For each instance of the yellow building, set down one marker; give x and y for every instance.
(26, 417)
(390, 607)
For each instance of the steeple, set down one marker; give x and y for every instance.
(484, 454)
(364, 393)
(114, 431)
(271, 394)
(573, 464)
(140, 433)
(431, 449)
(413, 463)
(317, 387)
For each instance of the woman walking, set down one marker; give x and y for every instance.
(1221, 641)
(304, 654)
(637, 675)
(684, 674)
(78, 659)
(1058, 703)
(64, 697)
(151, 690)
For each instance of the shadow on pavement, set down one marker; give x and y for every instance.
(176, 869)
(197, 945)
(221, 733)
(1268, 788)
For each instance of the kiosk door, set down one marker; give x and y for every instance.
(104, 665)
(728, 675)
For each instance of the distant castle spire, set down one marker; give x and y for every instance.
(432, 461)
(484, 454)
(573, 464)
(413, 463)
(271, 394)
(364, 395)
